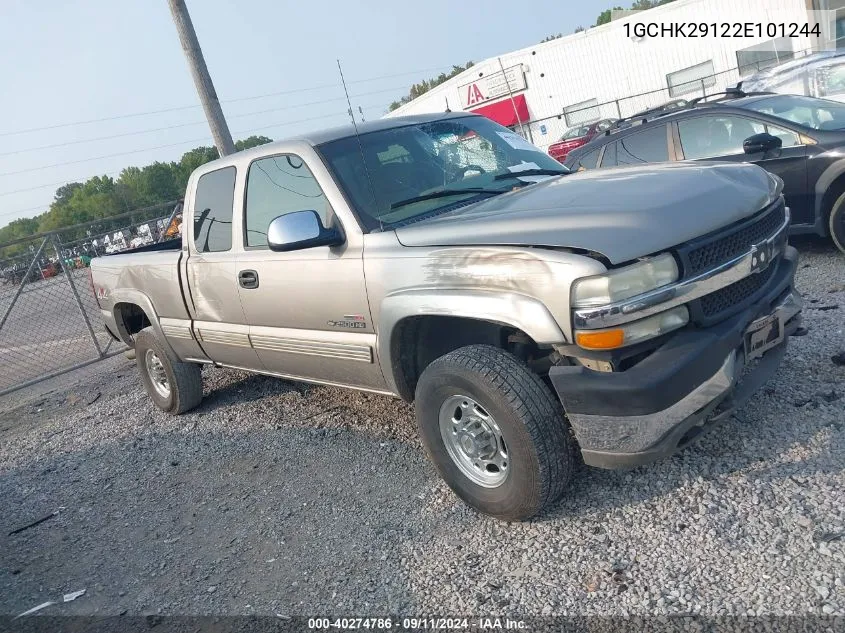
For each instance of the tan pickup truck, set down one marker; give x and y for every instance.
(527, 311)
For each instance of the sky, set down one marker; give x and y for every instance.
(75, 72)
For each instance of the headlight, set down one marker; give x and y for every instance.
(624, 283)
(635, 331)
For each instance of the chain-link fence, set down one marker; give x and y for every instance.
(49, 318)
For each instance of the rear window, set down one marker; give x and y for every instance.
(587, 161)
(648, 146)
(213, 204)
(609, 158)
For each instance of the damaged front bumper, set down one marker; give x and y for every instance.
(690, 383)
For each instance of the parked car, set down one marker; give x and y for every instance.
(576, 137)
(519, 306)
(800, 139)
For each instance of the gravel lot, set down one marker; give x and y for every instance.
(281, 498)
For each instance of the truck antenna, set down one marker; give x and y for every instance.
(360, 146)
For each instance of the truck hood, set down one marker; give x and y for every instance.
(622, 213)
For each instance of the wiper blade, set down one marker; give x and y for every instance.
(531, 172)
(441, 193)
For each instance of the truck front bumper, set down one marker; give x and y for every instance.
(690, 383)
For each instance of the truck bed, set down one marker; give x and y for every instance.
(173, 244)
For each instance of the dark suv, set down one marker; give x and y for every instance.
(801, 139)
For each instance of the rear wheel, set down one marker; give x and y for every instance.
(173, 386)
(494, 431)
(836, 223)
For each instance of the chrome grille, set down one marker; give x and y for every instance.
(735, 294)
(715, 250)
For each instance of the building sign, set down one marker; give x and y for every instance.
(492, 86)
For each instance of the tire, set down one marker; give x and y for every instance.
(533, 459)
(836, 223)
(183, 389)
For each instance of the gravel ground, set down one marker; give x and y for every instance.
(281, 498)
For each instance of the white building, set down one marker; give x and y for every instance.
(615, 70)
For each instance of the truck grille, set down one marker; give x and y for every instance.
(723, 300)
(715, 250)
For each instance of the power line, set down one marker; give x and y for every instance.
(192, 107)
(181, 125)
(114, 173)
(145, 149)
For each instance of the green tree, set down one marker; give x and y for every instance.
(638, 5)
(552, 37)
(251, 141)
(100, 197)
(604, 16)
(424, 86)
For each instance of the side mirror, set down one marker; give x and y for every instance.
(300, 229)
(762, 142)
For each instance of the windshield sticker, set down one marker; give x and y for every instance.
(516, 141)
(524, 166)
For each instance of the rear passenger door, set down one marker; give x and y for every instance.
(720, 137)
(211, 270)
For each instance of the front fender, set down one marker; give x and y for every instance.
(506, 308)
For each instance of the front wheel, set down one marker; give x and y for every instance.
(494, 431)
(836, 223)
(173, 386)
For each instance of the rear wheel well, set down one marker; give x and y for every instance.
(130, 319)
(834, 190)
(418, 341)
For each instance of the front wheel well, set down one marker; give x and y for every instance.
(418, 341)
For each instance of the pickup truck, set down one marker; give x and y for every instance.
(528, 312)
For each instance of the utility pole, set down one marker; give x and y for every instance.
(202, 80)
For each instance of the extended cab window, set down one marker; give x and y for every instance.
(276, 186)
(648, 146)
(213, 203)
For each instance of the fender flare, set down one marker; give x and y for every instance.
(510, 309)
(138, 298)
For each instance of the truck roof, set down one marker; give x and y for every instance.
(345, 131)
(318, 137)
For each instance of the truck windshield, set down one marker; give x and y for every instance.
(420, 170)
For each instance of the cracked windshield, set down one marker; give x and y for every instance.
(416, 170)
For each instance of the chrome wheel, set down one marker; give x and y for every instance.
(474, 441)
(157, 374)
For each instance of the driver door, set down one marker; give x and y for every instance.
(719, 137)
(307, 309)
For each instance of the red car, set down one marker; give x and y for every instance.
(576, 137)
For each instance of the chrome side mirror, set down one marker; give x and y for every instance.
(301, 229)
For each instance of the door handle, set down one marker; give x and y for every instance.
(248, 279)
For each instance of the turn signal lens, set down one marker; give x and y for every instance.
(605, 339)
(635, 331)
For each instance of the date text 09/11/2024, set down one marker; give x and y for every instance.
(721, 29)
(417, 624)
